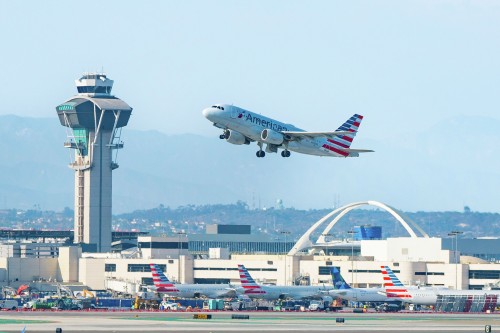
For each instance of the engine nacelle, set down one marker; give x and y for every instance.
(272, 137)
(236, 138)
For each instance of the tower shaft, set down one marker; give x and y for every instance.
(93, 194)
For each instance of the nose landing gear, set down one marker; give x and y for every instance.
(225, 135)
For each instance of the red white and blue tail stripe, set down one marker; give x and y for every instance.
(249, 285)
(161, 282)
(393, 286)
(339, 144)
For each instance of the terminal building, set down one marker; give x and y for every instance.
(416, 259)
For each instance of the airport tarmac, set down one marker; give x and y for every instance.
(72, 322)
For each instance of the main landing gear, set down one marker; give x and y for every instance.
(285, 153)
(260, 152)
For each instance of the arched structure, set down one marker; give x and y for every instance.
(305, 240)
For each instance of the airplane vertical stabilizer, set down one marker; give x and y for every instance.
(338, 280)
(248, 283)
(393, 286)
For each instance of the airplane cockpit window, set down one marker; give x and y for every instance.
(218, 107)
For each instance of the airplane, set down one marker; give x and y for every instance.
(344, 291)
(253, 290)
(240, 126)
(427, 295)
(164, 286)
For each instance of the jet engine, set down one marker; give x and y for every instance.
(272, 137)
(236, 138)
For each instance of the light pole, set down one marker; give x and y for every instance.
(455, 235)
(179, 248)
(351, 232)
(286, 233)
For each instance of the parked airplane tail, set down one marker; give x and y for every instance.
(249, 285)
(160, 280)
(393, 286)
(338, 280)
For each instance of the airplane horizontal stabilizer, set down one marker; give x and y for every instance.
(358, 150)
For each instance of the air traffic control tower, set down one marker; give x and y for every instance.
(94, 119)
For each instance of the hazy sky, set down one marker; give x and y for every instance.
(404, 65)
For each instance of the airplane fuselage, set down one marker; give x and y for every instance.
(251, 126)
(285, 292)
(361, 294)
(198, 290)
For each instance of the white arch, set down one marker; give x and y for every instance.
(305, 241)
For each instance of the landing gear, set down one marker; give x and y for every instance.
(285, 153)
(260, 152)
(225, 134)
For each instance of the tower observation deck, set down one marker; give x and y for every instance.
(94, 119)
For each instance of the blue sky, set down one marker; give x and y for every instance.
(405, 65)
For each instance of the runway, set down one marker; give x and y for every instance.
(72, 322)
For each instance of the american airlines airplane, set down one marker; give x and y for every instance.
(164, 286)
(240, 126)
(253, 290)
(428, 296)
(344, 291)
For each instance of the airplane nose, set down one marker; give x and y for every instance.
(212, 113)
(206, 112)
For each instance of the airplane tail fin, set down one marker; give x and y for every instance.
(351, 125)
(248, 283)
(393, 286)
(338, 280)
(160, 280)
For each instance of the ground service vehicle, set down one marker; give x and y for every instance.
(8, 304)
(387, 308)
(171, 306)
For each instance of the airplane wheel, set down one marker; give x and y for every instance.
(260, 153)
(285, 153)
(222, 136)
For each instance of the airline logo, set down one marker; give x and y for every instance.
(338, 280)
(248, 283)
(338, 143)
(161, 282)
(393, 287)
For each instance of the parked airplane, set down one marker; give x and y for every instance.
(241, 126)
(164, 286)
(253, 290)
(427, 295)
(344, 291)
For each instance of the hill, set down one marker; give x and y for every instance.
(441, 169)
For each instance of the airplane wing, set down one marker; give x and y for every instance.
(299, 135)
(358, 150)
